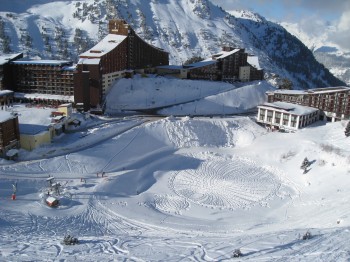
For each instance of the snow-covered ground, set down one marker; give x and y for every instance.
(183, 189)
(170, 96)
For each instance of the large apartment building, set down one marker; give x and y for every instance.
(334, 102)
(46, 80)
(119, 52)
(286, 116)
(229, 65)
(9, 132)
(5, 69)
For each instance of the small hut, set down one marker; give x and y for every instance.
(52, 201)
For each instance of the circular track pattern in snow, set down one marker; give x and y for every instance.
(170, 204)
(231, 184)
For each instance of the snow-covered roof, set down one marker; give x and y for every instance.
(254, 61)
(200, 64)
(42, 62)
(4, 116)
(30, 129)
(290, 108)
(12, 152)
(70, 68)
(312, 91)
(172, 67)
(66, 105)
(5, 58)
(58, 118)
(328, 90)
(51, 199)
(224, 54)
(6, 92)
(106, 45)
(45, 96)
(89, 61)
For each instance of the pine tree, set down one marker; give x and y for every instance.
(305, 163)
(347, 129)
(6, 45)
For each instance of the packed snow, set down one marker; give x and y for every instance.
(171, 96)
(180, 189)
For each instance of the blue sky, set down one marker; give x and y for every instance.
(313, 16)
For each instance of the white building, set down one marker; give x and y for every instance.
(286, 116)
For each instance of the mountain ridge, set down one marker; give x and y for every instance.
(184, 28)
(336, 59)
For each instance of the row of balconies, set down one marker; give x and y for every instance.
(45, 83)
(49, 93)
(38, 68)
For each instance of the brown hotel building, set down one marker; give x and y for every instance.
(49, 81)
(120, 51)
(5, 69)
(229, 65)
(9, 132)
(334, 102)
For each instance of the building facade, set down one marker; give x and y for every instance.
(51, 80)
(119, 52)
(286, 116)
(334, 102)
(6, 98)
(9, 132)
(205, 70)
(5, 71)
(229, 62)
(229, 65)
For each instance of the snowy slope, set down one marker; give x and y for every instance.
(170, 96)
(180, 188)
(185, 189)
(185, 28)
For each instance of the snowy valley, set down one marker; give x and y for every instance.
(335, 58)
(175, 169)
(143, 188)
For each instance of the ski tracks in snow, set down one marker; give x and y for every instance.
(234, 184)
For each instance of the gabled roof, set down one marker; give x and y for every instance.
(106, 45)
(4, 116)
(224, 54)
(254, 61)
(5, 58)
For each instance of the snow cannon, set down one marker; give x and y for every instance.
(70, 240)
(237, 253)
